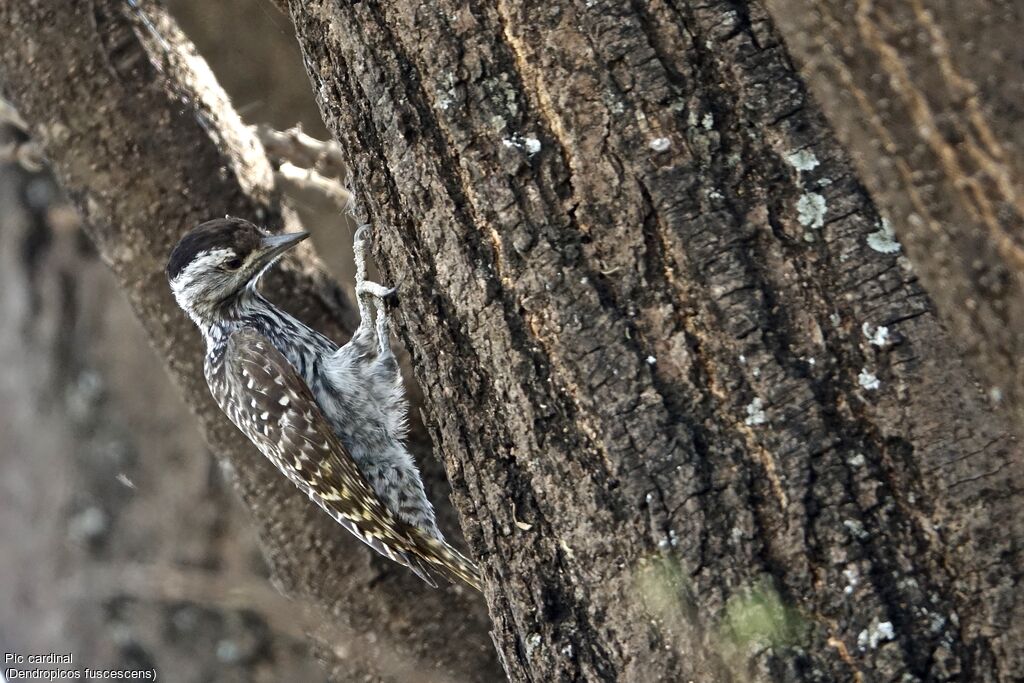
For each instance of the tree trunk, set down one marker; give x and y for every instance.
(700, 419)
(147, 145)
(929, 97)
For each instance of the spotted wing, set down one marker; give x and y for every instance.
(272, 405)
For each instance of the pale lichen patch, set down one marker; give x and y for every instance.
(878, 336)
(755, 413)
(867, 380)
(530, 145)
(532, 643)
(852, 579)
(660, 144)
(884, 240)
(855, 528)
(810, 210)
(803, 160)
(446, 96)
(880, 632)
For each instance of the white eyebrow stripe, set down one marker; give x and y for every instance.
(211, 258)
(190, 280)
(202, 261)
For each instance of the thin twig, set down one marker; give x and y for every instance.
(27, 152)
(10, 115)
(292, 145)
(304, 164)
(293, 178)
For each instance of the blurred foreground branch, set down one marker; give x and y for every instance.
(929, 98)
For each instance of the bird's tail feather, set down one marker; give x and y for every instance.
(441, 558)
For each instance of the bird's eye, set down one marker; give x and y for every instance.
(233, 264)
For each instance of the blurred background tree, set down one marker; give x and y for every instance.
(131, 549)
(132, 552)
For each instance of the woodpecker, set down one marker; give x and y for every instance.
(332, 420)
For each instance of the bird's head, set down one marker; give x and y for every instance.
(219, 260)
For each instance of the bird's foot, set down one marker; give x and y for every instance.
(368, 292)
(381, 296)
(376, 291)
(359, 241)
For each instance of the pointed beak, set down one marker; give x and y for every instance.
(273, 246)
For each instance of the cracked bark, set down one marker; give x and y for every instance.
(700, 422)
(147, 145)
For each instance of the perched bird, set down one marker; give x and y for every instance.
(333, 420)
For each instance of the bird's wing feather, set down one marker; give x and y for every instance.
(273, 406)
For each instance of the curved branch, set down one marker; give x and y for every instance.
(147, 145)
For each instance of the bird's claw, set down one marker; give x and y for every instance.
(377, 291)
(362, 233)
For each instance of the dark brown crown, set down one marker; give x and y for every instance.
(236, 234)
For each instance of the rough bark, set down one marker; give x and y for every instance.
(928, 95)
(700, 421)
(146, 144)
